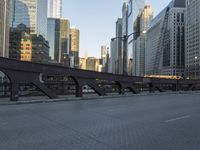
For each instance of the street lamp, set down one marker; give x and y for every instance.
(125, 49)
(196, 57)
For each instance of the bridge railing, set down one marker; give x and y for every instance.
(27, 79)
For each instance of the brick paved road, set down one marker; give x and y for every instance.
(161, 122)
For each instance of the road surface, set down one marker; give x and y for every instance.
(159, 122)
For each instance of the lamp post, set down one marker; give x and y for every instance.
(125, 48)
(195, 63)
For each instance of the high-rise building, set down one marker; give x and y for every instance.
(114, 60)
(146, 17)
(58, 37)
(74, 46)
(119, 46)
(116, 49)
(107, 65)
(165, 41)
(92, 64)
(55, 8)
(28, 47)
(4, 27)
(53, 34)
(139, 44)
(135, 7)
(32, 13)
(125, 18)
(124, 33)
(65, 40)
(82, 63)
(193, 39)
(103, 57)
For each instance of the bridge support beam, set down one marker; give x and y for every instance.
(80, 82)
(79, 91)
(151, 88)
(130, 86)
(48, 92)
(14, 96)
(16, 78)
(191, 87)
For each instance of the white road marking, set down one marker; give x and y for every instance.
(176, 119)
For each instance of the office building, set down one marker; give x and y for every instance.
(116, 49)
(32, 13)
(139, 43)
(114, 60)
(119, 46)
(92, 64)
(108, 63)
(59, 40)
(165, 41)
(103, 57)
(74, 46)
(55, 8)
(146, 17)
(193, 39)
(82, 63)
(4, 27)
(124, 33)
(28, 47)
(135, 7)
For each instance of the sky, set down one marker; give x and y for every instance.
(96, 21)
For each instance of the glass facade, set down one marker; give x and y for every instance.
(58, 37)
(119, 46)
(165, 41)
(32, 13)
(74, 46)
(193, 39)
(51, 36)
(135, 7)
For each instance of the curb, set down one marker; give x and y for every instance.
(66, 99)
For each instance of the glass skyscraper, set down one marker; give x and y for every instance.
(165, 41)
(58, 37)
(74, 46)
(55, 8)
(135, 7)
(32, 13)
(193, 39)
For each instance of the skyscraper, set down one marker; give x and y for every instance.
(28, 47)
(145, 17)
(58, 37)
(193, 39)
(124, 33)
(32, 13)
(92, 64)
(119, 46)
(165, 41)
(55, 8)
(4, 28)
(74, 46)
(139, 44)
(135, 7)
(103, 57)
(113, 46)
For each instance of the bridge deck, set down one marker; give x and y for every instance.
(162, 122)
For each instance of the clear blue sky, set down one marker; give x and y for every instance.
(96, 20)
